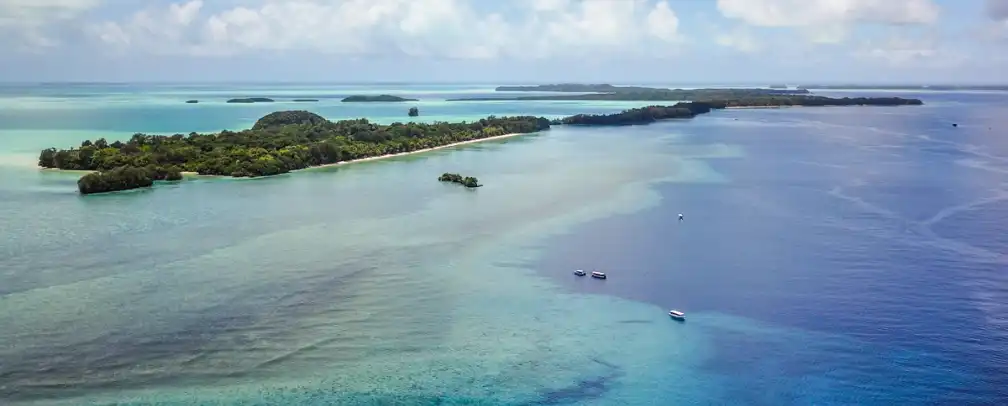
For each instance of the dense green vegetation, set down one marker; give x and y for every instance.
(278, 143)
(643, 115)
(732, 98)
(125, 177)
(376, 98)
(289, 140)
(192, 101)
(251, 100)
(578, 88)
(650, 114)
(289, 117)
(656, 95)
(816, 101)
(413, 112)
(467, 181)
(908, 87)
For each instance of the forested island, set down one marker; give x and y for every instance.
(730, 98)
(251, 100)
(578, 88)
(650, 114)
(467, 181)
(289, 140)
(907, 87)
(654, 94)
(192, 101)
(376, 98)
(278, 143)
(305, 100)
(642, 115)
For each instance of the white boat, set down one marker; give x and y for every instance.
(678, 315)
(579, 273)
(598, 275)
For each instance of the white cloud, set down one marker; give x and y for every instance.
(825, 21)
(447, 28)
(740, 40)
(826, 33)
(31, 12)
(902, 52)
(24, 21)
(663, 23)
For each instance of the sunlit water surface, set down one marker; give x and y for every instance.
(828, 256)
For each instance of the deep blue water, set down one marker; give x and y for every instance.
(870, 233)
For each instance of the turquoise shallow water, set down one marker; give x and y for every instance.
(374, 284)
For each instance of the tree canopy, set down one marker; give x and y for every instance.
(376, 98)
(467, 181)
(278, 143)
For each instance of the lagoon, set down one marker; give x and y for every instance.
(828, 256)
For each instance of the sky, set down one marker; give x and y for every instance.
(506, 41)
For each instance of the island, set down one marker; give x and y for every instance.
(468, 181)
(125, 178)
(935, 87)
(284, 141)
(376, 98)
(251, 100)
(578, 88)
(192, 101)
(413, 112)
(652, 94)
(650, 114)
(277, 143)
(642, 115)
(305, 100)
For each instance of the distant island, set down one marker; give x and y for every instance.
(906, 87)
(653, 94)
(468, 181)
(192, 101)
(650, 114)
(578, 88)
(251, 100)
(284, 141)
(305, 100)
(377, 98)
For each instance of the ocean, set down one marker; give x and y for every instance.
(835, 255)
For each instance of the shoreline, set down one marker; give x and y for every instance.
(419, 151)
(352, 161)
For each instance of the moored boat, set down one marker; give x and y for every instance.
(678, 315)
(579, 273)
(598, 275)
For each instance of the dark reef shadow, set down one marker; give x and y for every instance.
(586, 389)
